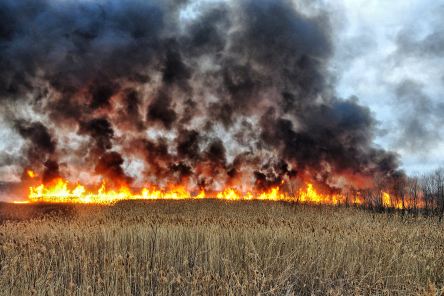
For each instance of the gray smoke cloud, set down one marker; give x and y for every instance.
(203, 93)
(421, 117)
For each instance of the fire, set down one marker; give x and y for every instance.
(31, 174)
(407, 203)
(61, 191)
(310, 195)
(386, 200)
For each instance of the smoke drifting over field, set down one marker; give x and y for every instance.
(207, 94)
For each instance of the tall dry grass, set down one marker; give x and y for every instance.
(217, 248)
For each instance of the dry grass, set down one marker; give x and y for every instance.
(217, 248)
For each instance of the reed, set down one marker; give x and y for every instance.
(214, 247)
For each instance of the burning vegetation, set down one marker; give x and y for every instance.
(60, 191)
(228, 100)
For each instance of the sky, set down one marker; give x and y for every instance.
(390, 54)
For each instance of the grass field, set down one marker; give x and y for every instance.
(217, 248)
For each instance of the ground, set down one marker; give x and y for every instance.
(217, 248)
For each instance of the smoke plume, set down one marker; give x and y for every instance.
(208, 94)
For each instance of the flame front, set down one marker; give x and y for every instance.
(60, 191)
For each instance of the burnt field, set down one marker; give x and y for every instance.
(217, 248)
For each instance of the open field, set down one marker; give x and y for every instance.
(217, 248)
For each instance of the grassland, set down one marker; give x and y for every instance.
(217, 248)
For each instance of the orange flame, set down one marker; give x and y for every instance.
(386, 200)
(407, 203)
(60, 191)
(31, 174)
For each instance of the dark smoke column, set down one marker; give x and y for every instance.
(234, 93)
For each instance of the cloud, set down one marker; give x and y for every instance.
(398, 74)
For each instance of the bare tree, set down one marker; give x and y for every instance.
(439, 187)
(427, 188)
(413, 192)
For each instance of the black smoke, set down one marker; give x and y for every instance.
(230, 91)
(100, 130)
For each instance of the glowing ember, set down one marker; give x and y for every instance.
(31, 174)
(21, 202)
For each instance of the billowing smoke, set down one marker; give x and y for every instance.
(202, 93)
